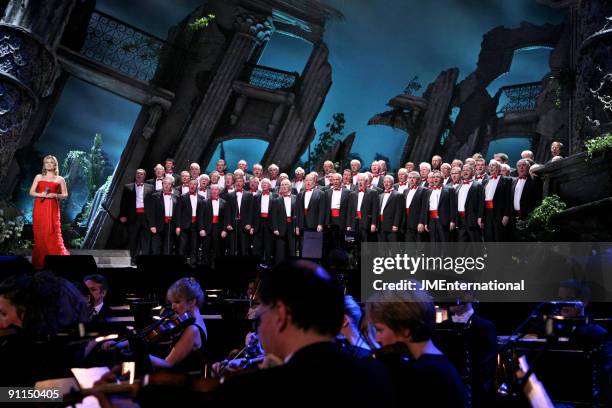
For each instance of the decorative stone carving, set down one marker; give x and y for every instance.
(259, 26)
(155, 113)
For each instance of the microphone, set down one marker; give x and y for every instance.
(42, 199)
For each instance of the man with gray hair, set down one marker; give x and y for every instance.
(498, 209)
(355, 167)
(298, 182)
(527, 154)
(363, 210)
(402, 180)
(262, 223)
(159, 174)
(424, 170)
(526, 191)
(336, 204)
(242, 165)
(273, 171)
(412, 205)
(389, 213)
(162, 218)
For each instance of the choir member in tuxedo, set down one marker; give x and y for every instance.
(239, 173)
(439, 211)
(258, 172)
(526, 192)
(481, 170)
(279, 180)
(363, 210)
(457, 163)
(436, 162)
(310, 208)
(371, 186)
(445, 168)
(190, 206)
(284, 222)
(383, 168)
(402, 181)
(555, 150)
(347, 180)
(389, 213)
(244, 167)
(169, 167)
(456, 177)
(183, 188)
(377, 177)
(298, 182)
(505, 171)
(528, 154)
(213, 226)
(215, 178)
(254, 185)
(498, 204)
(336, 208)
(220, 168)
(262, 224)
(328, 170)
(412, 204)
(355, 168)
(203, 190)
(273, 172)
(424, 170)
(162, 218)
(194, 171)
(135, 200)
(471, 162)
(410, 167)
(239, 221)
(229, 186)
(470, 208)
(156, 181)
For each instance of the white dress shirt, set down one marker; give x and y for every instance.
(518, 192)
(167, 205)
(359, 200)
(194, 204)
(215, 206)
(490, 188)
(384, 201)
(335, 201)
(410, 196)
(307, 197)
(287, 201)
(139, 196)
(462, 195)
(401, 187)
(434, 199)
(265, 202)
(298, 185)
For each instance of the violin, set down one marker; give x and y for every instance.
(167, 327)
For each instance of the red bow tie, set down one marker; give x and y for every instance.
(239, 190)
(202, 189)
(308, 189)
(362, 190)
(272, 178)
(493, 177)
(336, 188)
(265, 193)
(139, 184)
(185, 185)
(215, 199)
(435, 187)
(414, 187)
(388, 191)
(167, 193)
(159, 179)
(287, 195)
(522, 177)
(253, 191)
(354, 173)
(479, 177)
(467, 182)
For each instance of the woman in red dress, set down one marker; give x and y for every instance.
(47, 189)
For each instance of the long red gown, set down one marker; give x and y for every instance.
(46, 224)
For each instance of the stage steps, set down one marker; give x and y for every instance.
(106, 258)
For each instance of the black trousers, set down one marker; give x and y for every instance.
(494, 229)
(285, 244)
(189, 242)
(162, 243)
(213, 245)
(437, 232)
(467, 234)
(139, 236)
(264, 241)
(384, 236)
(412, 235)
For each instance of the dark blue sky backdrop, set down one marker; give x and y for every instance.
(380, 47)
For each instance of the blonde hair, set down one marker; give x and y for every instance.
(187, 289)
(56, 171)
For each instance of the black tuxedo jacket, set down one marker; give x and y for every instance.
(246, 208)
(531, 196)
(279, 215)
(344, 196)
(474, 204)
(207, 216)
(316, 209)
(392, 213)
(185, 210)
(369, 209)
(447, 206)
(152, 182)
(155, 215)
(502, 200)
(128, 200)
(412, 221)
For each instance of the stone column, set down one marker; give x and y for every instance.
(30, 31)
(251, 32)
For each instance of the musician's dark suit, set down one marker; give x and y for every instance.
(189, 240)
(263, 242)
(239, 240)
(286, 240)
(439, 228)
(139, 236)
(369, 214)
(318, 374)
(495, 231)
(213, 245)
(480, 341)
(530, 198)
(412, 216)
(468, 229)
(391, 217)
(162, 242)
